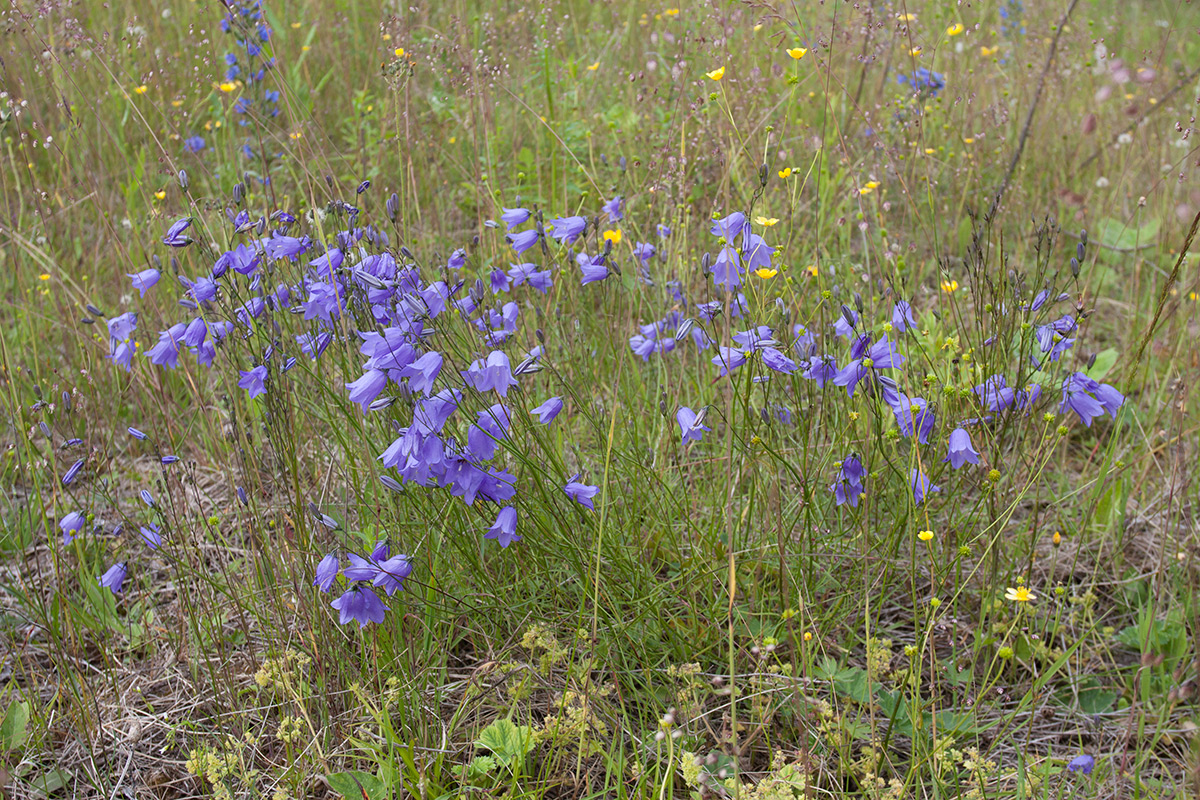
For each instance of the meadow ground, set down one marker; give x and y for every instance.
(573, 399)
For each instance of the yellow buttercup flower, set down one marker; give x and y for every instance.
(613, 236)
(765, 273)
(141, 89)
(672, 12)
(925, 536)
(766, 222)
(812, 270)
(1021, 594)
(916, 51)
(949, 286)
(872, 184)
(594, 67)
(955, 29)
(160, 195)
(986, 51)
(798, 52)
(399, 51)
(786, 172)
(228, 86)
(906, 17)
(866, 190)
(808, 636)
(716, 74)
(45, 276)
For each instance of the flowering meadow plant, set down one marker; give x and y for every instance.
(663, 398)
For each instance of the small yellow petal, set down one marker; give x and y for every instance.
(716, 74)
(812, 270)
(916, 51)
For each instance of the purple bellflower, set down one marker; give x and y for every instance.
(114, 577)
(548, 410)
(961, 450)
(504, 529)
(144, 280)
(581, 493)
(691, 424)
(359, 604)
(254, 381)
(327, 572)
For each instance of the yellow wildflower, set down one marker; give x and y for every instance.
(812, 270)
(986, 51)
(228, 86)
(613, 236)
(1020, 594)
(142, 89)
(949, 286)
(716, 74)
(798, 52)
(786, 172)
(925, 536)
(766, 222)
(766, 273)
(399, 51)
(594, 67)
(955, 29)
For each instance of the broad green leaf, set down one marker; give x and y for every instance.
(343, 783)
(507, 741)
(13, 729)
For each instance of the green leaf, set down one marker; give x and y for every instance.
(507, 741)
(13, 729)
(852, 682)
(1097, 700)
(50, 782)
(343, 783)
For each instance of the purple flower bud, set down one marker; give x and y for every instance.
(147, 498)
(72, 473)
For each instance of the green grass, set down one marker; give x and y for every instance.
(717, 626)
